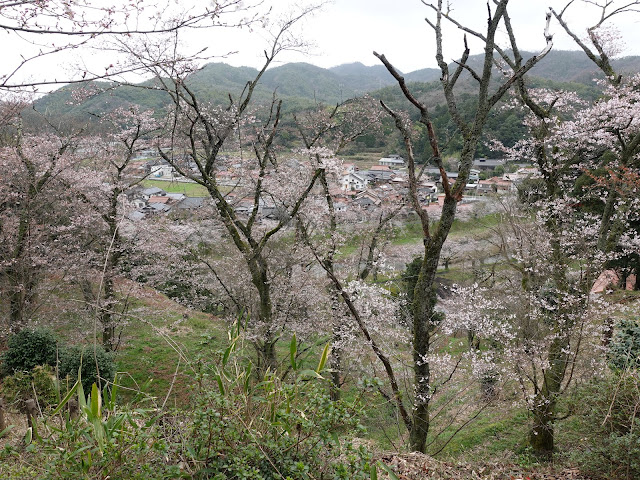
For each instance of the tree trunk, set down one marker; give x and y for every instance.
(336, 343)
(16, 310)
(105, 316)
(541, 437)
(22, 292)
(266, 347)
(424, 319)
(88, 294)
(267, 357)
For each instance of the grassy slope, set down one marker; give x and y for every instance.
(164, 337)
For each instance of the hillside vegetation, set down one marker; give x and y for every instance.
(298, 273)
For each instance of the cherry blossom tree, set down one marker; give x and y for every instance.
(107, 176)
(601, 141)
(38, 218)
(549, 311)
(201, 134)
(325, 132)
(583, 224)
(612, 119)
(425, 318)
(47, 30)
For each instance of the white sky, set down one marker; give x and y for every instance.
(348, 31)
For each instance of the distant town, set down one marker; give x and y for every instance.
(383, 184)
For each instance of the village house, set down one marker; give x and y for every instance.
(176, 197)
(136, 215)
(225, 177)
(367, 199)
(354, 181)
(428, 192)
(488, 163)
(147, 193)
(496, 185)
(190, 203)
(164, 199)
(392, 161)
(157, 207)
(350, 168)
(340, 207)
(521, 174)
(379, 173)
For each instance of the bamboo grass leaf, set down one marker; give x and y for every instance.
(323, 358)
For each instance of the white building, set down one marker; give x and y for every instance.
(354, 181)
(392, 161)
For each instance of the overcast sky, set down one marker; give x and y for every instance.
(346, 31)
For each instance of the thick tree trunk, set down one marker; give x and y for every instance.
(105, 315)
(107, 300)
(541, 437)
(423, 312)
(16, 311)
(266, 347)
(22, 293)
(425, 319)
(88, 294)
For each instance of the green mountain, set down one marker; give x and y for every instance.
(300, 85)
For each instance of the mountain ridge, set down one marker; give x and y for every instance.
(303, 84)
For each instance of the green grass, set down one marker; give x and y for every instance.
(363, 159)
(492, 434)
(189, 189)
(156, 337)
(159, 347)
(411, 232)
(460, 276)
(476, 226)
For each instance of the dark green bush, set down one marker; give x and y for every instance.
(71, 358)
(29, 348)
(609, 413)
(624, 351)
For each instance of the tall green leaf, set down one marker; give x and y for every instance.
(66, 398)
(323, 358)
(96, 402)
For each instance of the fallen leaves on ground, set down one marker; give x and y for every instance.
(416, 466)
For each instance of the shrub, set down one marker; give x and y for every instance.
(104, 441)
(271, 429)
(238, 427)
(29, 348)
(22, 385)
(612, 427)
(625, 347)
(72, 358)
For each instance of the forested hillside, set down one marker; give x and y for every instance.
(302, 85)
